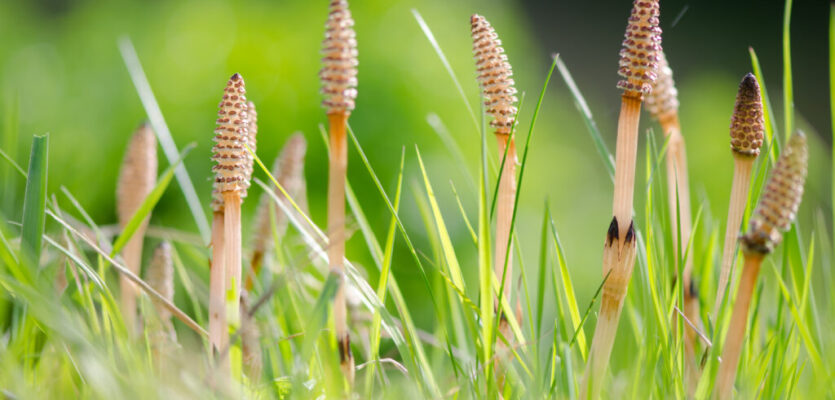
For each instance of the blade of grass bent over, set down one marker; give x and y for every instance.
(34, 202)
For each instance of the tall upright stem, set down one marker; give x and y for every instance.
(232, 255)
(736, 331)
(504, 213)
(336, 234)
(619, 247)
(736, 208)
(218, 332)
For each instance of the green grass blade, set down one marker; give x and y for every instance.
(800, 323)
(150, 201)
(768, 117)
(434, 42)
(788, 87)
(166, 141)
(584, 109)
(446, 242)
(568, 290)
(14, 164)
(832, 102)
(34, 202)
(382, 285)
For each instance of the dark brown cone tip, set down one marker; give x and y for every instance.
(747, 121)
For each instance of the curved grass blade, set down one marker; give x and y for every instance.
(166, 141)
(581, 104)
(34, 202)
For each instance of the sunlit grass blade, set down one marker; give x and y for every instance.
(150, 202)
(34, 202)
(584, 109)
(832, 102)
(568, 290)
(382, 285)
(434, 42)
(770, 128)
(788, 86)
(803, 329)
(166, 141)
(446, 242)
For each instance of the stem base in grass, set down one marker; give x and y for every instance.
(732, 347)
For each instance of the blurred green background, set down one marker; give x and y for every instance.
(62, 73)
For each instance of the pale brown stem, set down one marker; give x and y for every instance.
(619, 248)
(739, 195)
(132, 254)
(336, 235)
(232, 255)
(736, 331)
(504, 213)
(218, 332)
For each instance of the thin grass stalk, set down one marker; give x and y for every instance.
(774, 215)
(638, 65)
(137, 178)
(339, 82)
(288, 169)
(746, 131)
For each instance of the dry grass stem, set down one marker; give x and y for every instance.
(746, 131)
(339, 83)
(137, 178)
(638, 67)
(775, 212)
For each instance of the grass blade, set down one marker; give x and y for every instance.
(788, 91)
(34, 202)
(581, 104)
(166, 141)
(434, 42)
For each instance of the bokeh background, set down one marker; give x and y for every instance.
(61, 72)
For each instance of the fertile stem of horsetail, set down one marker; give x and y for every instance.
(497, 85)
(339, 86)
(774, 214)
(231, 182)
(136, 180)
(288, 169)
(638, 65)
(160, 276)
(662, 103)
(747, 126)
